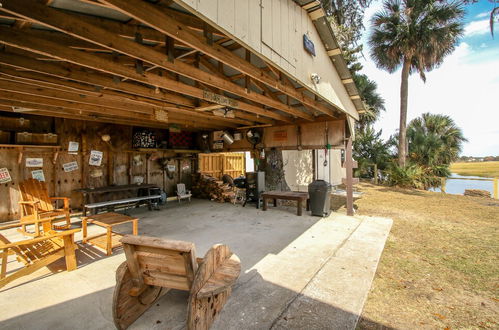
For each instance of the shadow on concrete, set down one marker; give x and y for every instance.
(294, 311)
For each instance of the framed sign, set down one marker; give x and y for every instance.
(38, 175)
(34, 162)
(308, 45)
(95, 158)
(4, 175)
(280, 136)
(73, 147)
(70, 167)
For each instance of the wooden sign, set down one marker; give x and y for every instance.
(219, 99)
(280, 136)
(161, 115)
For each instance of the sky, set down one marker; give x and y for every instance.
(465, 86)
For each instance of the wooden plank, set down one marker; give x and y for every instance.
(80, 29)
(49, 48)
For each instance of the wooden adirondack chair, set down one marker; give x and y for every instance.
(38, 252)
(182, 193)
(154, 265)
(36, 206)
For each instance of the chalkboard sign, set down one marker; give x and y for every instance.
(308, 45)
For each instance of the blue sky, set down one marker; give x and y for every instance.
(465, 86)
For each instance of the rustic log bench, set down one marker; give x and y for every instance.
(94, 207)
(298, 196)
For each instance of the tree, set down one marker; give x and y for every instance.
(434, 140)
(414, 35)
(369, 149)
(372, 99)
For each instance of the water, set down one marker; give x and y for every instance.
(457, 187)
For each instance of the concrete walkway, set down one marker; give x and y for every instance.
(297, 272)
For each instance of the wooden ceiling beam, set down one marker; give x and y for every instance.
(71, 25)
(46, 47)
(104, 100)
(93, 78)
(153, 16)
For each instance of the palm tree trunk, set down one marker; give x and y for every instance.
(404, 89)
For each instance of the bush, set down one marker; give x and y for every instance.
(416, 176)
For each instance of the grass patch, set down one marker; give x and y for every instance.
(483, 169)
(440, 266)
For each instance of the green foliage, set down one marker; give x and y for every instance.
(369, 149)
(421, 32)
(434, 140)
(372, 99)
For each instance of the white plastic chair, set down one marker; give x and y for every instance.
(182, 193)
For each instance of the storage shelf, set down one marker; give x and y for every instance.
(25, 146)
(178, 151)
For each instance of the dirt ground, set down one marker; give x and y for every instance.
(440, 266)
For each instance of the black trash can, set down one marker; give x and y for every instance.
(320, 198)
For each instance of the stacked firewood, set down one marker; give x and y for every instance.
(208, 187)
(477, 193)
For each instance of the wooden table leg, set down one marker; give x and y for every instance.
(69, 252)
(136, 227)
(84, 230)
(300, 206)
(265, 201)
(109, 241)
(308, 204)
(275, 202)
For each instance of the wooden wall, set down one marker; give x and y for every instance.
(218, 164)
(274, 29)
(119, 164)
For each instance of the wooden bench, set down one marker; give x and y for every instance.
(297, 196)
(94, 207)
(153, 266)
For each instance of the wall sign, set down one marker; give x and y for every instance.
(95, 158)
(170, 168)
(73, 147)
(218, 144)
(38, 175)
(219, 99)
(4, 175)
(34, 162)
(280, 136)
(308, 45)
(70, 167)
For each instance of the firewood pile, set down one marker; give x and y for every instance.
(208, 187)
(477, 193)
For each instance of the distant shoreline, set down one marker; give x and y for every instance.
(481, 169)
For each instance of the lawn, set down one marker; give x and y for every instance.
(440, 266)
(484, 169)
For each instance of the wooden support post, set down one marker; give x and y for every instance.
(496, 188)
(443, 182)
(170, 48)
(349, 170)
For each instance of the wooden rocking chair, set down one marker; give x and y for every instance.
(154, 265)
(36, 206)
(38, 252)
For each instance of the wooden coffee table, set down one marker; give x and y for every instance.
(110, 239)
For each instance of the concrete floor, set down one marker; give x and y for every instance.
(297, 272)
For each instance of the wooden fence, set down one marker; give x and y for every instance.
(218, 164)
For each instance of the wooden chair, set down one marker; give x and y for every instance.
(36, 206)
(154, 265)
(38, 252)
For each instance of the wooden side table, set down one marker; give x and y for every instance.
(109, 240)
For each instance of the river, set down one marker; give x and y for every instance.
(457, 187)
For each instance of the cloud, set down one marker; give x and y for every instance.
(463, 87)
(477, 28)
(482, 15)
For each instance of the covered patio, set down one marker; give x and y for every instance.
(296, 271)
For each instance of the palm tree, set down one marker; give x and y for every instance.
(372, 100)
(415, 35)
(434, 140)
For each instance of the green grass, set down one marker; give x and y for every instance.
(483, 169)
